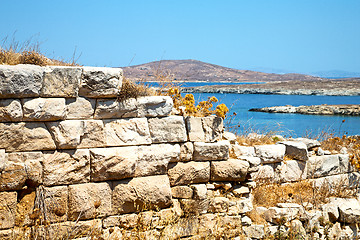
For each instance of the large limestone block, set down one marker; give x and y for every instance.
(322, 166)
(70, 134)
(349, 209)
(211, 151)
(186, 152)
(205, 129)
(182, 192)
(66, 167)
(239, 151)
(113, 163)
(296, 150)
(20, 81)
(229, 170)
(122, 132)
(167, 129)
(55, 203)
(89, 200)
(44, 109)
(80, 108)
(61, 81)
(334, 182)
(33, 164)
(113, 108)
(265, 172)
(100, 82)
(7, 209)
(141, 193)
(25, 137)
(292, 170)
(12, 174)
(154, 159)
(154, 106)
(310, 143)
(270, 153)
(276, 215)
(10, 110)
(188, 173)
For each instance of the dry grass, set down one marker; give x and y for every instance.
(257, 139)
(129, 89)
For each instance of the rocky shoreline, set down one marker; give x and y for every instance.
(351, 109)
(324, 87)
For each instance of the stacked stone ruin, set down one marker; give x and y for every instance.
(73, 157)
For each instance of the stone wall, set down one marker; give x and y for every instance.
(74, 160)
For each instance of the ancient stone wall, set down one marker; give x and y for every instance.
(74, 160)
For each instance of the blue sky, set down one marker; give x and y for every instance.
(300, 36)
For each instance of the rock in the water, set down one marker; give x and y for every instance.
(99, 82)
(10, 110)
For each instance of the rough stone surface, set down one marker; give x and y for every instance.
(253, 161)
(229, 170)
(292, 170)
(332, 211)
(25, 137)
(99, 82)
(186, 152)
(265, 172)
(211, 151)
(113, 108)
(219, 205)
(70, 134)
(275, 214)
(113, 163)
(13, 175)
(154, 159)
(56, 201)
(122, 132)
(20, 81)
(182, 192)
(80, 108)
(321, 166)
(66, 167)
(89, 200)
(10, 110)
(270, 153)
(7, 209)
(61, 81)
(187, 173)
(44, 109)
(240, 151)
(310, 143)
(206, 129)
(167, 129)
(349, 209)
(296, 150)
(255, 231)
(350, 180)
(141, 193)
(154, 106)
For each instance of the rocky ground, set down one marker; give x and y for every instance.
(349, 109)
(349, 87)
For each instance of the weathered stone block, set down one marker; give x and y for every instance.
(7, 209)
(211, 151)
(122, 132)
(292, 170)
(181, 192)
(265, 172)
(55, 200)
(154, 106)
(322, 166)
(188, 173)
(70, 134)
(66, 167)
(44, 109)
(253, 161)
(80, 108)
(154, 159)
(229, 170)
(296, 150)
(113, 163)
(349, 209)
(61, 81)
(113, 108)
(240, 151)
(219, 205)
(99, 82)
(12, 175)
(167, 129)
(10, 110)
(141, 193)
(25, 137)
(20, 81)
(270, 153)
(89, 200)
(204, 129)
(186, 152)
(32, 162)
(310, 143)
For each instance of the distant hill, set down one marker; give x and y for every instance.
(193, 70)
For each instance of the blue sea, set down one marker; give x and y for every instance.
(295, 125)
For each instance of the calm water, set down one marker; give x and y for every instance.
(282, 123)
(198, 84)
